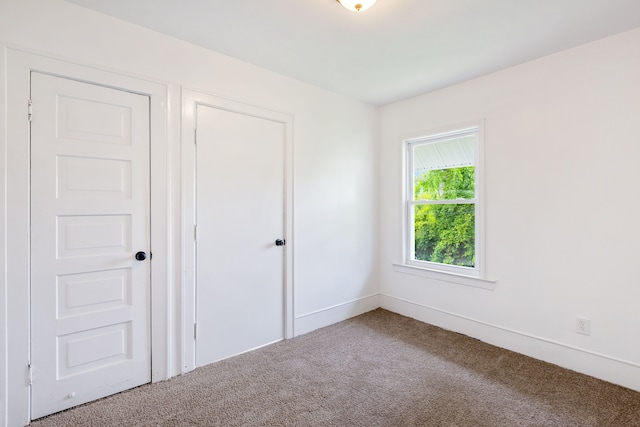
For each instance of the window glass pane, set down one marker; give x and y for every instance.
(445, 234)
(444, 184)
(444, 153)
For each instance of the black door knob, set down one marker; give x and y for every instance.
(141, 256)
(280, 242)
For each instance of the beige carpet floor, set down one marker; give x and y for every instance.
(378, 369)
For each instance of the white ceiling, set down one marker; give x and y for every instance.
(395, 50)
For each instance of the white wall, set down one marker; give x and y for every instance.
(562, 156)
(335, 202)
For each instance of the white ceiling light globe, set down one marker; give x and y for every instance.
(357, 5)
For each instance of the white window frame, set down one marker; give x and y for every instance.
(409, 227)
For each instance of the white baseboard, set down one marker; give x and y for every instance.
(334, 314)
(607, 368)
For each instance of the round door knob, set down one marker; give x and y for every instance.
(141, 256)
(280, 242)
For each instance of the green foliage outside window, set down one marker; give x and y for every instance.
(445, 233)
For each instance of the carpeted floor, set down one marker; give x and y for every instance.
(378, 369)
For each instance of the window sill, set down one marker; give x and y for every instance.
(445, 276)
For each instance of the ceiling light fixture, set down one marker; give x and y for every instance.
(356, 5)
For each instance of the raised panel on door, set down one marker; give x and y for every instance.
(240, 206)
(90, 193)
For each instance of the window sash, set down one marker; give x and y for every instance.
(411, 241)
(444, 202)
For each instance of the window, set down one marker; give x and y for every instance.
(443, 203)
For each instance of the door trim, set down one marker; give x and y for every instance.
(190, 100)
(16, 179)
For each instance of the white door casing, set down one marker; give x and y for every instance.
(16, 174)
(238, 190)
(90, 325)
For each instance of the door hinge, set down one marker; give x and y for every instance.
(195, 232)
(195, 331)
(30, 109)
(29, 374)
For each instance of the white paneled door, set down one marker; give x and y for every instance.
(240, 214)
(90, 242)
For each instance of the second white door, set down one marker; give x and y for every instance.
(240, 212)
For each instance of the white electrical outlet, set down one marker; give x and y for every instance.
(583, 326)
